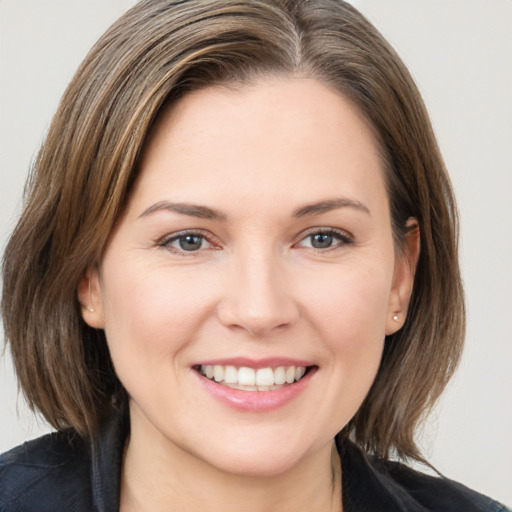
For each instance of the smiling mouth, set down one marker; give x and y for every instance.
(250, 379)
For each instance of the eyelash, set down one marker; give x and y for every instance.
(342, 237)
(175, 237)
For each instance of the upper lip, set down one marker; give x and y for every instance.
(267, 362)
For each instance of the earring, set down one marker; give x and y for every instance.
(395, 318)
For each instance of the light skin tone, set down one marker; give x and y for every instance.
(259, 227)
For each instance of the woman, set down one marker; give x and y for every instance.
(240, 248)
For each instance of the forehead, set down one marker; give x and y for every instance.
(281, 134)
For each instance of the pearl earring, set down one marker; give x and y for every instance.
(395, 318)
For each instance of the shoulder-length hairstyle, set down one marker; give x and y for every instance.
(153, 55)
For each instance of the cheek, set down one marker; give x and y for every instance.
(350, 303)
(152, 316)
(355, 330)
(349, 316)
(346, 312)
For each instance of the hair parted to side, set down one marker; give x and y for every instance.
(154, 54)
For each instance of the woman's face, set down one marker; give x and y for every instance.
(256, 246)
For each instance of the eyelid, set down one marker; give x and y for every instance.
(165, 241)
(346, 237)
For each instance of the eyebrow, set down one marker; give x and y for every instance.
(193, 210)
(204, 212)
(328, 205)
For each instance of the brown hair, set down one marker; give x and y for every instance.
(157, 52)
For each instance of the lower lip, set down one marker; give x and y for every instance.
(256, 401)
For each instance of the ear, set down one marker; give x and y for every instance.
(89, 296)
(403, 277)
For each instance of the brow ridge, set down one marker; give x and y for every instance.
(204, 212)
(193, 210)
(328, 205)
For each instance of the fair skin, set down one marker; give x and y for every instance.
(257, 235)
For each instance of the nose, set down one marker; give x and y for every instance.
(258, 297)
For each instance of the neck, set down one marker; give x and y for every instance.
(158, 476)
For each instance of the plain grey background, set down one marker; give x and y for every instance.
(460, 53)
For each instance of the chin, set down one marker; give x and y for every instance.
(257, 465)
(264, 459)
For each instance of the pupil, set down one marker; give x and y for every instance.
(322, 240)
(190, 242)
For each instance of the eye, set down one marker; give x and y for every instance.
(325, 239)
(185, 242)
(190, 242)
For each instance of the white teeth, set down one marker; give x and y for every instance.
(289, 375)
(218, 373)
(231, 375)
(249, 379)
(280, 375)
(246, 376)
(265, 377)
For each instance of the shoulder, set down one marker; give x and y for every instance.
(48, 473)
(375, 484)
(439, 493)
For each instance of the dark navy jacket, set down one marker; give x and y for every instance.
(62, 473)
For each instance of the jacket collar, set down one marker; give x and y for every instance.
(107, 452)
